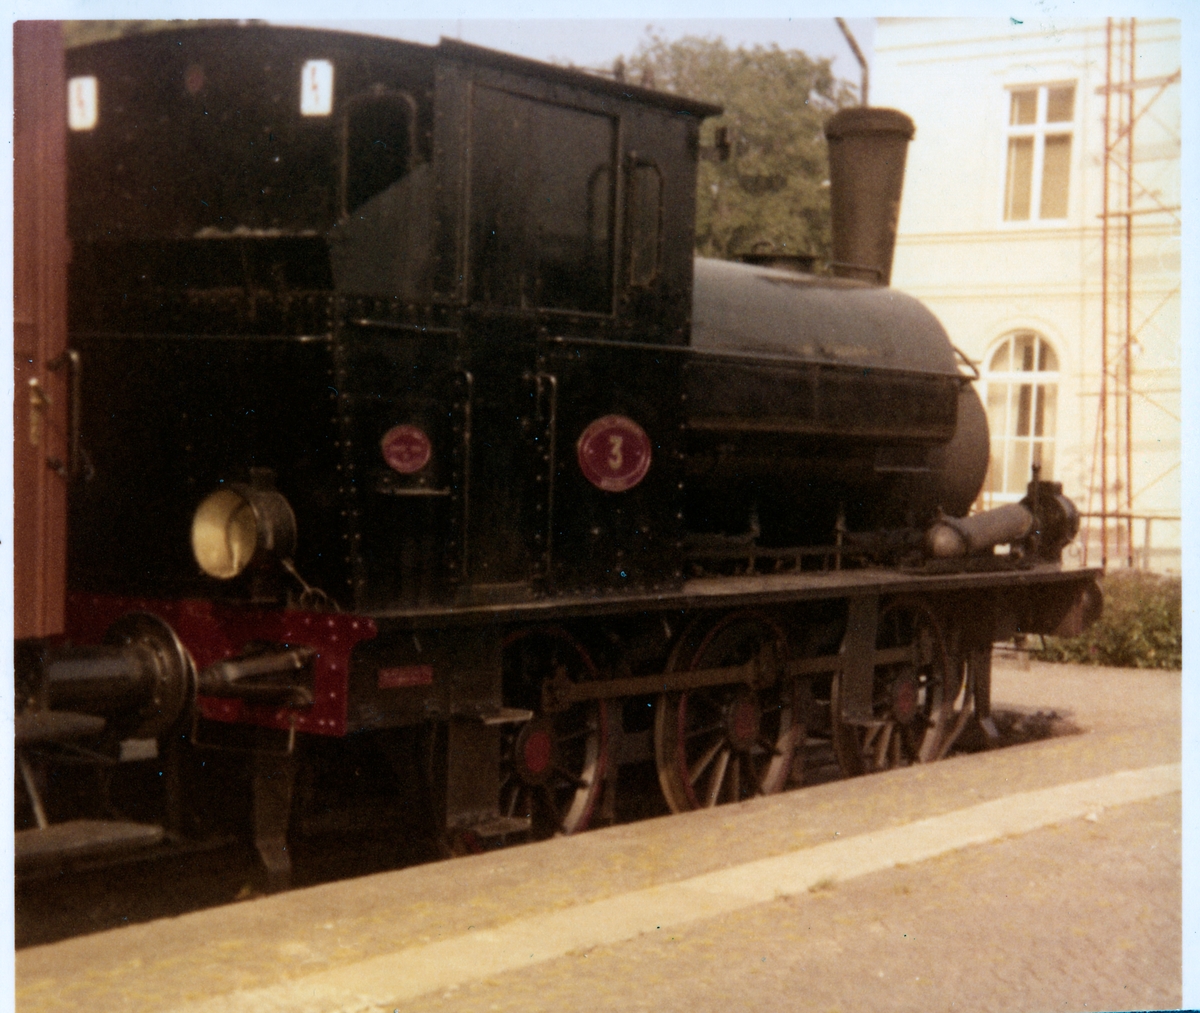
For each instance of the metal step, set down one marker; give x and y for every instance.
(81, 839)
(500, 826)
(55, 726)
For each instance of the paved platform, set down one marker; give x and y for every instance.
(1045, 876)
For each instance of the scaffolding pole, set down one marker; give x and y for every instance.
(1132, 121)
(1104, 216)
(1114, 427)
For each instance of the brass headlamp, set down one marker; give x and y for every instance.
(240, 525)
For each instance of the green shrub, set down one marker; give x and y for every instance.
(1141, 626)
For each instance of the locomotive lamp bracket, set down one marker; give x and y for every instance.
(969, 363)
(720, 149)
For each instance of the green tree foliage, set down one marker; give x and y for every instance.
(772, 192)
(1141, 626)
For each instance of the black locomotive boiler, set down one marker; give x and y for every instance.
(406, 426)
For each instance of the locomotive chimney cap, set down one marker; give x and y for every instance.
(868, 120)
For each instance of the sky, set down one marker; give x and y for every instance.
(596, 42)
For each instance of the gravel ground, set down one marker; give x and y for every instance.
(1079, 916)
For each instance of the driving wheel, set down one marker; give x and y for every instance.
(725, 743)
(914, 701)
(552, 766)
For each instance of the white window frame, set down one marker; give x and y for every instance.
(1038, 130)
(316, 88)
(83, 103)
(1005, 438)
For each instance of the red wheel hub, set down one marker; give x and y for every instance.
(904, 699)
(743, 721)
(535, 751)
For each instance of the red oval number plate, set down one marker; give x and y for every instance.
(614, 453)
(406, 449)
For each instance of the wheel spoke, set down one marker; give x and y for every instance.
(697, 768)
(883, 744)
(548, 798)
(718, 777)
(949, 738)
(572, 779)
(735, 778)
(767, 746)
(693, 733)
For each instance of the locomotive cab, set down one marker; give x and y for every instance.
(377, 252)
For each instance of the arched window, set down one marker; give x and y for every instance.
(1022, 406)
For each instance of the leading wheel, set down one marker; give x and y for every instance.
(718, 744)
(552, 767)
(915, 702)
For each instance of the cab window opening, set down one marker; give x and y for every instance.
(379, 145)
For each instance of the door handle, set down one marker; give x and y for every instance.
(73, 363)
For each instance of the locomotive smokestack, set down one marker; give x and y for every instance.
(867, 150)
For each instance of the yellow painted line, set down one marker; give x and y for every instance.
(383, 981)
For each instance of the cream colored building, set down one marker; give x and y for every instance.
(1002, 234)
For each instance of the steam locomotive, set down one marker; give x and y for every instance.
(402, 424)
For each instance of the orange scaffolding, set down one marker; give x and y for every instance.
(1123, 199)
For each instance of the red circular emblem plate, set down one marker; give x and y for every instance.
(614, 453)
(406, 449)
